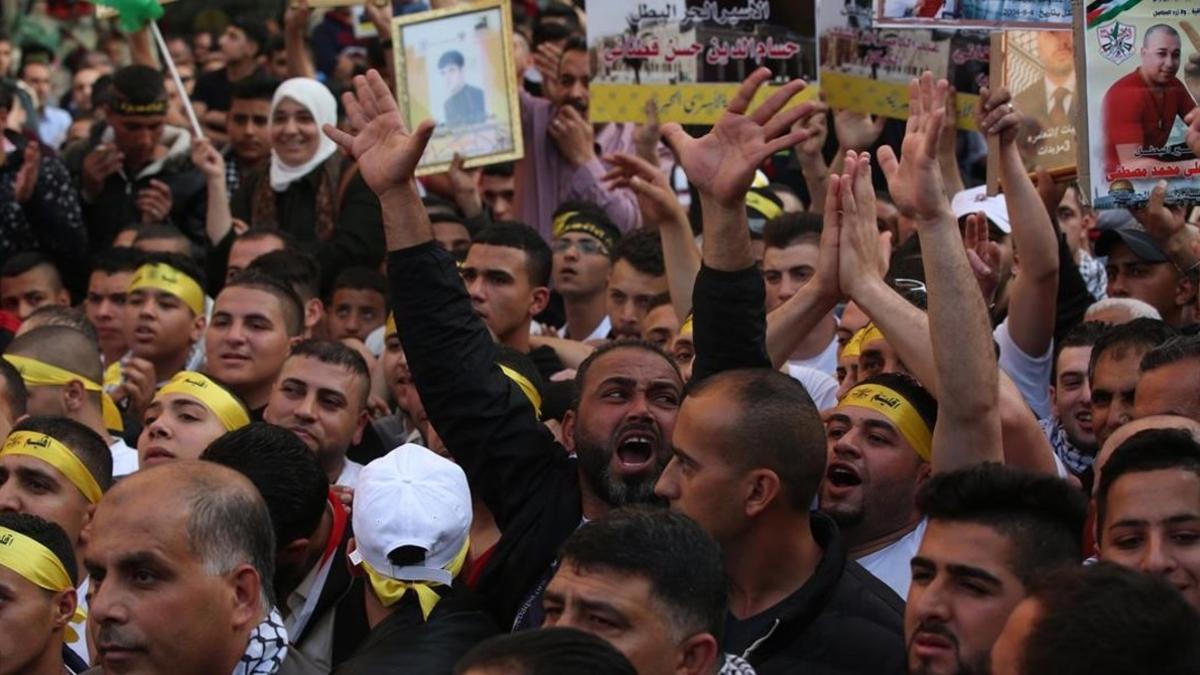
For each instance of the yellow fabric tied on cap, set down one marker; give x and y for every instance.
(531, 392)
(163, 277)
(853, 348)
(892, 405)
(390, 329)
(870, 334)
(53, 452)
(769, 209)
(228, 410)
(39, 566)
(37, 373)
(390, 591)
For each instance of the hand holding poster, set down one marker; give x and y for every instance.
(689, 56)
(1136, 102)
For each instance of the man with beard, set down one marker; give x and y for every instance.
(1114, 370)
(1070, 429)
(993, 532)
(619, 426)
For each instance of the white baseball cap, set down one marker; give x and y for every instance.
(975, 200)
(411, 497)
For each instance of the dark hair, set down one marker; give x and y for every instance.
(1084, 334)
(1108, 620)
(337, 354)
(791, 229)
(260, 233)
(584, 368)
(23, 262)
(1174, 350)
(275, 45)
(643, 249)
(102, 91)
(451, 58)
(1148, 450)
(297, 269)
(1137, 335)
(87, 445)
(14, 387)
(7, 94)
(63, 316)
(289, 303)
(574, 43)
(506, 169)
(255, 31)
(779, 428)
(1041, 515)
(284, 471)
(180, 262)
(46, 533)
(681, 562)
(255, 88)
(550, 31)
(117, 259)
(360, 279)
(549, 651)
(538, 258)
(139, 85)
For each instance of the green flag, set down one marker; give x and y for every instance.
(134, 14)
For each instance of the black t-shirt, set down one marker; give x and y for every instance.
(215, 90)
(741, 633)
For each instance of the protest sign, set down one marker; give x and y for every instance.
(690, 56)
(949, 14)
(1134, 52)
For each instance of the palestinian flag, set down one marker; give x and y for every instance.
(1099, 11)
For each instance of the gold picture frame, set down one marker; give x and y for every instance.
(341, 3)
(446, 69)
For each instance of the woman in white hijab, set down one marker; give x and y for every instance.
(308, 189)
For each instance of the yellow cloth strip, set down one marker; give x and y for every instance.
(526, 386)
(390, 591)
(57, 455)
(163, 277)
(561, 221)
(391, 326)
(37, 373)
(39, 566)
(228, 409)
(889, 403)
(853, 348)
(769, 209)
(870, 334)
(688, 325)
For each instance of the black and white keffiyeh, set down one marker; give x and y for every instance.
(266, 649)
(736, 665)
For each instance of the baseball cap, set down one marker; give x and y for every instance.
(975, 200)
(411, 497)
(1118, 226)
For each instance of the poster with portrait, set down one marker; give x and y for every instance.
(1141, 61)
(868, 69)
(948, 14)
(689, 56)
(455, 66)
(1038, 67)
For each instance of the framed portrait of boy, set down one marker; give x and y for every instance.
(455, 66)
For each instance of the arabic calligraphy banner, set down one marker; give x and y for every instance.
(974, 13)
(690, 55)
(1136, 99)
(868, 69)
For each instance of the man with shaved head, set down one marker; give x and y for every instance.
(181, 557)
(62, 373)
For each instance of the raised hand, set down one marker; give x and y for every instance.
(386, 152)
(26, 178)
(656, 198)
(573, 135)
(646, 136)
(855, 130)
(721, 163)
(983, 254)
(465, 183)
(98, 165)
(1193, 132)
(996, 116)
(154, 201)
(859, 256)
(816, 123)
(915, 181)
(206, 158)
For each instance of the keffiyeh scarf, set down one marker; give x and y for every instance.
(266, 649)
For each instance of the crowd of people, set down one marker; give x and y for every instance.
(784, 394)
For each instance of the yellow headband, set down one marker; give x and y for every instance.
(561, 221)
(889, 403)
(389, 591)
(53, 452)
(526, 386)
(163, 277)
(764, 206)
(688, 325)
(870, 334)
(853, 348)
(33, 561)
(391, 329)
(37, 373)
(228, 410)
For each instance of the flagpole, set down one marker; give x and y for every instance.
(183, 95)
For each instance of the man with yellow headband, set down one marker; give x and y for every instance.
(37, 583)
(56, 469)
(584, 237)
(164, 314)
(412, 518)
(188, 413)
(61, 370)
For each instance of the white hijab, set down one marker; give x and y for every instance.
(320, 102)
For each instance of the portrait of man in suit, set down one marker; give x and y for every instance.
(465, 104)
(1049, 104)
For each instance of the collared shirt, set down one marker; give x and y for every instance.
(349, 476)
(315, 653)
(1051, 87)
(53, 124)
(233, 175)
(125, 458)
(600, 333)
(893, 564)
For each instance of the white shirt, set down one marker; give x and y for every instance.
(125, 458)
(821, 387)
(1030, 373)
(376, 342)
(349, 476)
(80, 645)
(1051, 87)
(893, 564)
(826, 361)
(601, 332)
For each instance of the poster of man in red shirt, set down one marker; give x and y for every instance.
(1142, 79)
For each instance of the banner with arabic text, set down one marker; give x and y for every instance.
(950, 14)
(690, 55)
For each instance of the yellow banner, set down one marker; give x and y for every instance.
(879, 97)
(683, 103)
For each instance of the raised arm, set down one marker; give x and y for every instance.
(218, 219)
(730, 319)
(968, 426)
(810, 155)
(295, 26)
(1031, 307)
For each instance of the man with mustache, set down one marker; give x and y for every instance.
(993, 532)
